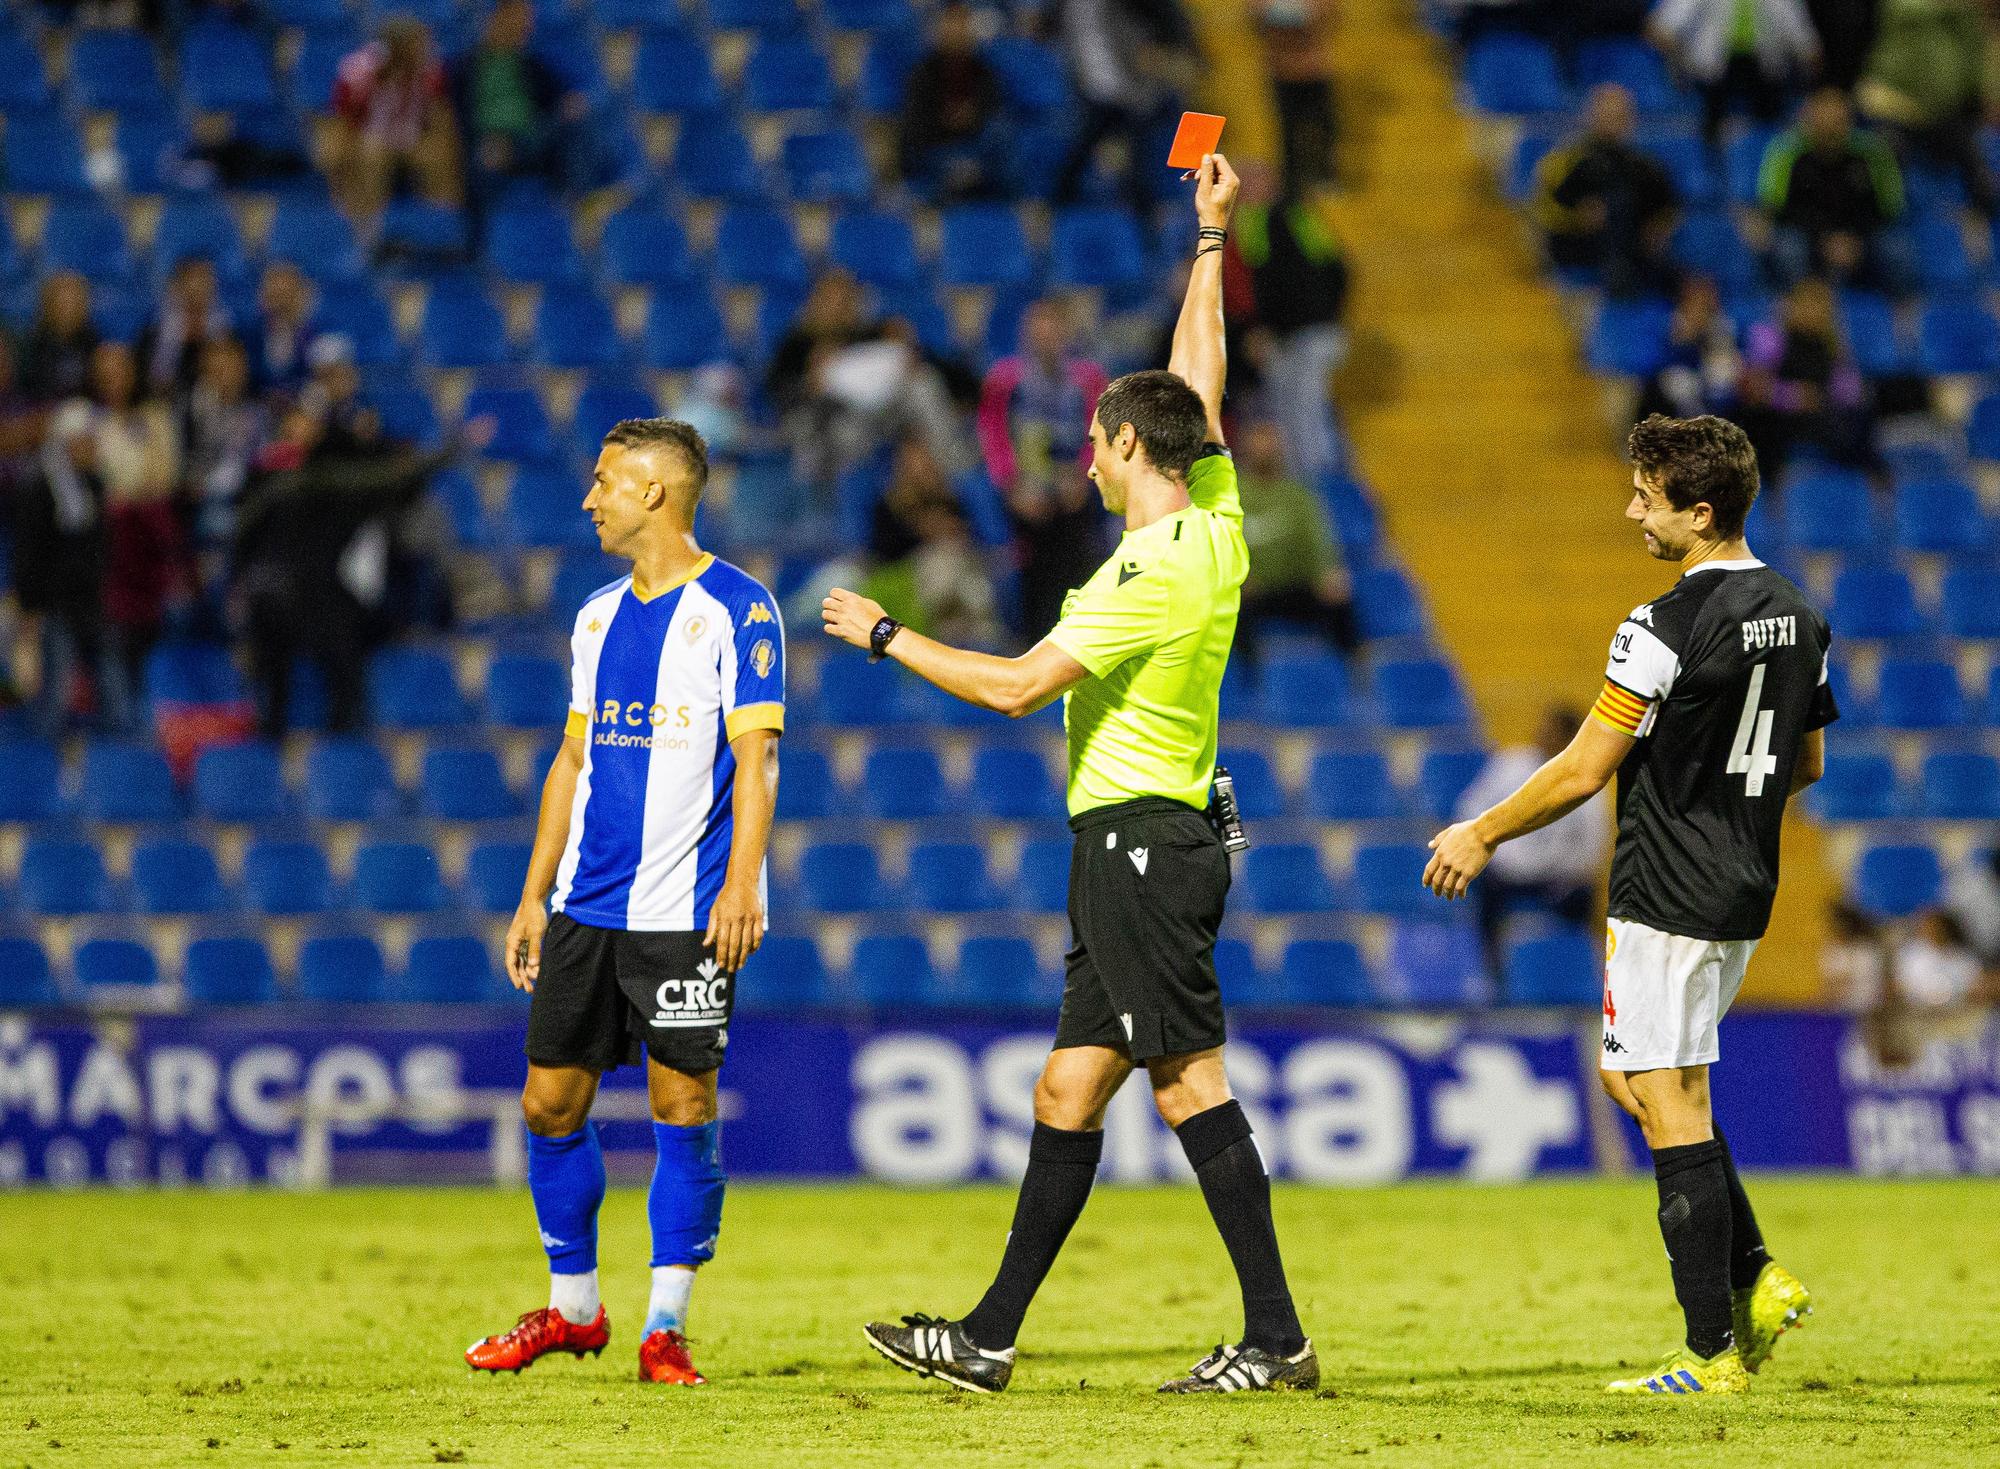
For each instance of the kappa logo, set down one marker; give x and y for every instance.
(596, 625)
(762, 657)
(759, 613)
(1642, 614)
(1139, 856)
(550, 1242)
(1611, 1045)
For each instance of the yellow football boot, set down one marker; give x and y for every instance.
(1775, 1304)
(1685, 1373)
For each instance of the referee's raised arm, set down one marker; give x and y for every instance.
(1199, 358)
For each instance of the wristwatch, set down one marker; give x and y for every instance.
(878, 640)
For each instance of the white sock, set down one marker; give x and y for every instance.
(575, 1296)
(668, 1307)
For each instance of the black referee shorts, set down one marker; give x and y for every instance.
(1147, 882)
(607, 996)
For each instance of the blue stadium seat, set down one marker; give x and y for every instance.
(1957, 336)
(713, 160)
(772, 17)
(240, 783)
(1001, 971)
(672, 73)
(983, 245)
(1011, 783)
(398, 877)
(1982, 430)
(522, 431)
(639, 15)
(855, 692)
(1388, 878)
(1444, 776)
(229, 971)
(877, 246)
(1309, 689)
(755, 246)
(786, 974)
(1325, 972)
(199, 229)
(348, 779)
(950, 877)
(1420, 693)
(122, 782)
(1897, 881)
(1919, 694)
(121, 963)
(60, 877)
(1283, 877)
(1940, 513)
(466, 785)
(1854, 788)
(1242, 982)
(1630, 338)
(601, 407)
(116, 71)
(1936, 246)
(545, 510)
(24, 81)
(1961, 786)
(493, 875)
(1970, 602)
(1630, 63)
(807, 791)
(422, 235)
(177, 876)
(226, 68)
(842, 877)
(1556, 969)
(1874, 602)
(574, 328)
(581, 576)
(1829, 509)
(1042, 882)
(684, 331)
(1387, 604)
(1874, 334)
(1743, 161)
(25, 977)
(448, 968)
(462, 327)
(407, 413)
(1351, 786)
(1514, 74)
(354, 311)
(904, 784)
(30, 781)
(1437, 962)
(644, 246)
(150, 146)
(531, 243)
(870, 15)
(287, 878)
(1034, 75)
(1094, 246)
(885, 73)
(414, 688)
(40, 155)
(827, 168)
(317, 67)
(341, 968)
(1259, 795)
(893, 970)
(87, 238)
(524, 691)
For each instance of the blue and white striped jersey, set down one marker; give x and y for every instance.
(660, 685)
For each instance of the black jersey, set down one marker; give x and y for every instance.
(1719, 679)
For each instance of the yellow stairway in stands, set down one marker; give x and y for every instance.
(1477, 426)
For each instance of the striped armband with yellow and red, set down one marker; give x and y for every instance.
(1621, 709)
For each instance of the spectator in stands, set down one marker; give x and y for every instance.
(1930, 83)
(1972, 896)
(284, 332)
(1800, 387)
(1828, 189)
(190, 316)
(1935, 967)
(393, 126)
(713, 405)
(1558, 869)
(1606, 206)
(1846, 31)
(1297, 571)
(511, 105)
(223, 427)
(1742, 54)
(1298, 50)
(949, 143)
(58, 544)
(1034, 433)
(1703, 364)
(926, 567)
(55, 356)
(332, 395)
(1854, 966)
(1299, 283)
(1130, 59)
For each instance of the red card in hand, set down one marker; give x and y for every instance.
(1197, 136)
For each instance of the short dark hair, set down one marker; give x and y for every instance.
(1166, 414)
(651, 433)
(1705, 460)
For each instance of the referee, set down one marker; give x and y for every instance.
(1138, 657)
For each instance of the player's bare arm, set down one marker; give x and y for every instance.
(736, 922)
(1198, 357)
(1013, 686)
(531, 918)
(1585, 767)
(1811, 764)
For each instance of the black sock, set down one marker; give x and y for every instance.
(1747, 1255)
(1238, 1191)
(1694, 1221)
(1061, 1168)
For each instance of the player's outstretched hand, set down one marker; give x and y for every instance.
(524, 945)
(1215, 191)
(849, 616)
(735, 925)
(1459, 855)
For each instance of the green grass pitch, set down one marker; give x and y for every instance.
(1456, 1325)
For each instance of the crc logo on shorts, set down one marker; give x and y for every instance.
(762, 657)
(700, 1001)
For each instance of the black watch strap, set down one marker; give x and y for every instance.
(878, 640)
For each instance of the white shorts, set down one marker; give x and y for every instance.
(1664, 996)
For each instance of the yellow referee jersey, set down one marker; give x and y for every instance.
(1153, 626)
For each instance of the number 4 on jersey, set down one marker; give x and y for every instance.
(1750, 756)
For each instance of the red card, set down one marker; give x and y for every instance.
(1197, 135)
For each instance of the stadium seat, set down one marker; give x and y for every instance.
(407, 413)
(287, 878)
(122, 782)
(1387, 604)
(493, 875)
(202, 229)
(827, 168)
(39, 155)
(462, 327)
(316, 237)
(1437, 962)
(855, 692)
(229, 971)
(713, 160)
(24, 81)
(1556, 969)
(1874, 602)
(1957, 336)
(63, 877)
(787, 74)
(1630, 338)
(466, 785)
(355, 312)
(1283, 877)
(1514, 74)
(870, 15)
(684, 331)
(1041, 884)
(601, 407)
(522, 435)
(89, 239)
(30, 781)
(25, 976)
(422, 237)
(1324, 972)
(316, 67)
(1444, 777)
(243, 783)
(1961, 786)
(530, 244)
(1897, 881)
(1940, 513)
(1919, 694)
(1828, 509)
(672, 74)
(226, 68)
(893, 970)
(1351, 786)
(1242, 982)
(785, 974)
(1936, 248)
(545, 510)
(1873, 333)
(116, 71)
(1012, 783)
(642, 245)
(341, 968)
(1631, 64)
(175, 876)
(1308, 689)
(574, 328)
(579, 578)
(808, 790)
(1854, 788)
(1095, 246)
(398, 877)
(348, 779)
(414, 688)
(114, 963)
(528, 692)
(983, 245)
(1969, 603)
(449, 969)
(842, 877)
(1388, 878)
(755, 246)
(877, 246)
(1259, 796)
(903, 784)
(1420, 693)
(1000, 971)
(950, 877)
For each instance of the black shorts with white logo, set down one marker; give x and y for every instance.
(607, 996)
(1147, 882)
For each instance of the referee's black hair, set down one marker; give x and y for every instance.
(650, 433)
(1705, 460)
(1164, 412)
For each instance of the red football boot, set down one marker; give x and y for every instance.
(537, 1332)
(663, 1357)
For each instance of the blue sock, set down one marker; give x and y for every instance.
(566, 1179)
(684, 1204)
